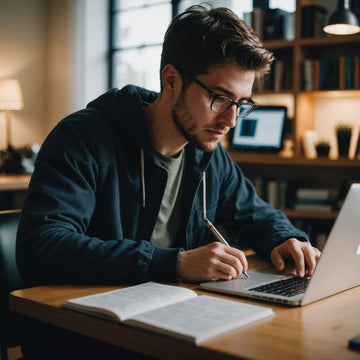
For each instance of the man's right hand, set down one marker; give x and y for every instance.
(211, 262)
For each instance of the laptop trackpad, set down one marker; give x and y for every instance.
(256, 277)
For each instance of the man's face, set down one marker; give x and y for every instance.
(192, 115)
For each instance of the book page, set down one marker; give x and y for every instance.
(200, 318)
(124, 303)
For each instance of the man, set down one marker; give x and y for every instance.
(116, 195)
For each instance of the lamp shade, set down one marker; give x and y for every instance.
(10, 95)
(342, 21)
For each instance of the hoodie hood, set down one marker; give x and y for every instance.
(124, 108)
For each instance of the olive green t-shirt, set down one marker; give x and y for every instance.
(168, 219)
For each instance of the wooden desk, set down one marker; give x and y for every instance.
(10, 182)
(317, 331)
(13, 188)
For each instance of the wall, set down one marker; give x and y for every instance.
(57, 50)
(60, 61)
(22, 56)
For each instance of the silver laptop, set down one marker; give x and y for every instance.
(337, 270)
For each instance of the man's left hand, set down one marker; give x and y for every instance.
(304, 255)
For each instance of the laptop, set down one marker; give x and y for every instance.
(262, 130)
(338, 268)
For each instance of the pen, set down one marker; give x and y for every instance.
(211, 227)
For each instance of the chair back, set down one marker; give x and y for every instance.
(9, 277)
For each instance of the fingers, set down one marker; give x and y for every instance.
(304, 255)
(226, 262)
(277, 259)
(312, 256)
(212, 261)
(235, 259)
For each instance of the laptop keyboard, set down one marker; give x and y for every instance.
(287, 287)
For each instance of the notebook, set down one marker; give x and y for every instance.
(338, 268)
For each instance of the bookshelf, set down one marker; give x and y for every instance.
(305, 109)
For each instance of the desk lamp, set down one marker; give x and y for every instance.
(342, 21)
(10, 99)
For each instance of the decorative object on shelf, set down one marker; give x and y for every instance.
(343, 135)
(323, 148)
(10, 161)
(288, 149)
(18, 161)
(310, 138)
(342, 21)
(10, 99)
(357, 149)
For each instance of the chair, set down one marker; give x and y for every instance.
(9, 280)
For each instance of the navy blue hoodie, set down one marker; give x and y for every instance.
(91, 205)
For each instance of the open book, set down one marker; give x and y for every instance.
(170, 310)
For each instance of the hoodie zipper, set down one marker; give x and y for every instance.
(144, 195)
(191, 210)
(143, 178)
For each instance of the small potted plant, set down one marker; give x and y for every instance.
(323, 148)
(343, 134)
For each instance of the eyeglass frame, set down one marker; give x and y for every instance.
(238, 104)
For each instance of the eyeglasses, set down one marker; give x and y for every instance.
(221, 103)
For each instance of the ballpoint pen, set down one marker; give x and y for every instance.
(211, 227)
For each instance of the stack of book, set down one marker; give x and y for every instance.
(275, 192)
(342, 73)
(272, 24)
(279, 79)
(313, 19)
(316, 199)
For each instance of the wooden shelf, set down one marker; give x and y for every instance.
(332, 93)
(329, 41)
(304, 108)
(274, 159)
(316, 215)
(279, 44)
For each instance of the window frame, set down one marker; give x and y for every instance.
(113, 49)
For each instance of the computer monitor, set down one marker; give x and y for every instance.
(262, 130)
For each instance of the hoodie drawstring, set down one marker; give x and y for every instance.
(143, 177)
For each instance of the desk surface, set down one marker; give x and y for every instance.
(10, 182)
(317, 331)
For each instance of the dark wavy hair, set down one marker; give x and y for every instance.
(200, 38)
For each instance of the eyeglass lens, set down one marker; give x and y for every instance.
(222, 103)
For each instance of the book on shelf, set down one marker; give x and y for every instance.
(278, 24)
(170, 310)
(330, 73)
(316, 199)
(312, 206)
(273, 191)
(276, 193)
(272, 24)
(313, 19)
(279, 78)
(317, 193)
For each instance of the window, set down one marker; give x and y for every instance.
(137, 28)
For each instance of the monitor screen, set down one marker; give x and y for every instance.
(262, 130)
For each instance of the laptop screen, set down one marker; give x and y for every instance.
(262, 130)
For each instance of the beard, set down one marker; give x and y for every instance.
(187, 126)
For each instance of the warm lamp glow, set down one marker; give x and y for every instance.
(342, 29)
(10, 95)
(10, 99)
(342, 21)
